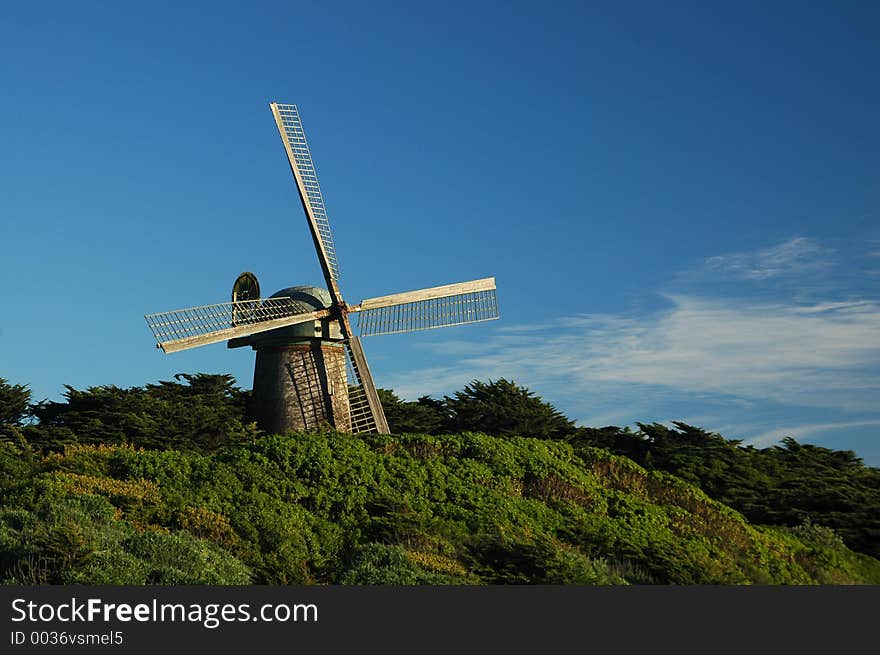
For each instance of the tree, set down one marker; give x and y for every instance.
(425, 416)
(207, 412)
(14, 403)
(503, 408)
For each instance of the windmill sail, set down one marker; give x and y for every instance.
(294, 138)
(443, 306)
(367, 414)
(197, 326)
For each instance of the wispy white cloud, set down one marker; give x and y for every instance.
(801, 355)
(789, 258)
(454, 348)
(805, 431)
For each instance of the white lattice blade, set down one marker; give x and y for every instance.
(367, 414)
(443, 291)
(429, 308)
(294, 138)
(182, 329)
(240, 331)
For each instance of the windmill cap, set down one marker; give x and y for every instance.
(313, 296)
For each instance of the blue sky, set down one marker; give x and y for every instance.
(679, 200)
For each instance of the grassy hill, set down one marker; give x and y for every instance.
(329, 508)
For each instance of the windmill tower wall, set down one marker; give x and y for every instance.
(300, 385)
(300, 378)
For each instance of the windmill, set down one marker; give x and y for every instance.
(310, 368)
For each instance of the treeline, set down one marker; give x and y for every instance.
(197, 412)
(172, 483)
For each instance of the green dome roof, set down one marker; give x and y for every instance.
(316, 298)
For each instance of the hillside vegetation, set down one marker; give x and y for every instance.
(170, 484)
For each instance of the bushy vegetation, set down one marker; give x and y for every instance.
(788, 484)
(202, 497)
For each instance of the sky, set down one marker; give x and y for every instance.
(680, 202)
